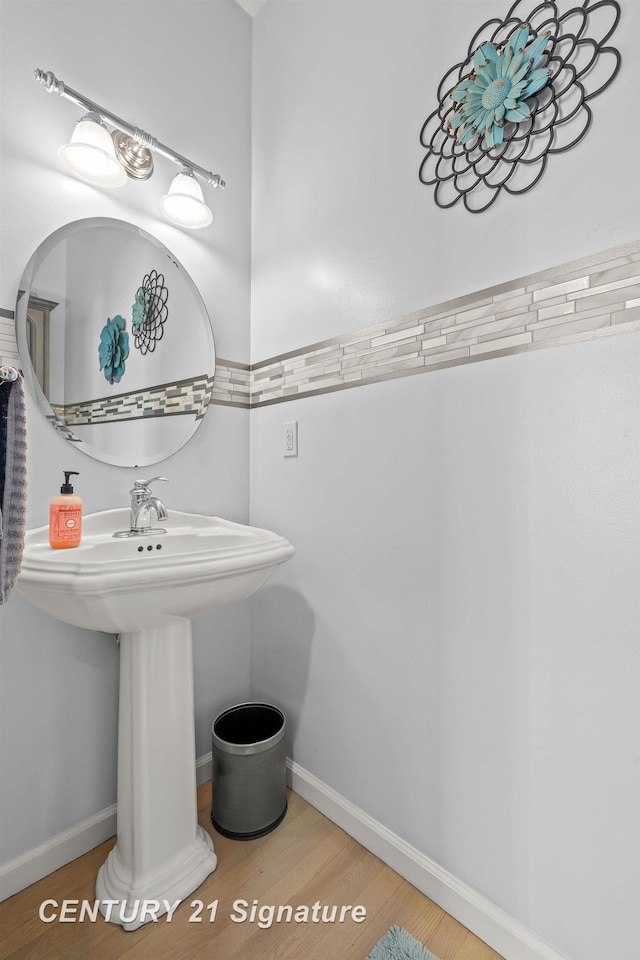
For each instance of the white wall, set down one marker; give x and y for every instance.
(191, 89)
(455, 641)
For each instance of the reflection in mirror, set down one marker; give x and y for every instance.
(38, 321)
(115, 342)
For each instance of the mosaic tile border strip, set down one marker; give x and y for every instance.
(188, 397)
(596, 296)
(592, 297)
(8, 348)
(232, 384)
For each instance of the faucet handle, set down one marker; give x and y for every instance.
(138, 484)
(142, 486)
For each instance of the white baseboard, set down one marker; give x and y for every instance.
(503, 933)
(203, 769)
(56, 852)
(65, 847)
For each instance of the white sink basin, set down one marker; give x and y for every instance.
(117, 585)
(147, 589)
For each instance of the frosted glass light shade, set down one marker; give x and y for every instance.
(91, 156)
(184, 203)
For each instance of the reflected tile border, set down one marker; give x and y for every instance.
(185, 397)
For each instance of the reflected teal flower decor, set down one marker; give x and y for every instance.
(113, 349)
(140, 308)
(498, 87)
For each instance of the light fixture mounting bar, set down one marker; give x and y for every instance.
(53, 85)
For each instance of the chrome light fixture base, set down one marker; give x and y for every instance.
(136, 158)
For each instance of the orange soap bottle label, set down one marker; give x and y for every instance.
(65, 524)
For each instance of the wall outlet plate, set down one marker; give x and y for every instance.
(291, 439)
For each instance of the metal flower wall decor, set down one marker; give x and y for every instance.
(521, 94)
(149, 312)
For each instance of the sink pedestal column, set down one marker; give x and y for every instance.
(161, 852)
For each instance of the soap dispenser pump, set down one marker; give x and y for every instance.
(65, 515)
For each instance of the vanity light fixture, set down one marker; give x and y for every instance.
(108, 160)
(91, 155)
(184, 202)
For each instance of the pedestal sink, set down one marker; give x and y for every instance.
(147, 590)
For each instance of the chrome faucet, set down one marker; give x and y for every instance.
(142, 503)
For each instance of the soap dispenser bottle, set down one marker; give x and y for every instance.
(65, 516)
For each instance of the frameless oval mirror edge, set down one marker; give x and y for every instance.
(190, 395)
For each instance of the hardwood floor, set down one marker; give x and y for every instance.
(306, 859)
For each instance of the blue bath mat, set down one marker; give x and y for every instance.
(397, 944)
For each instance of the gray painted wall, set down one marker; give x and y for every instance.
(191, 89)
(455, 641)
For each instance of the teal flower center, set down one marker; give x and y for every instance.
(496, 93)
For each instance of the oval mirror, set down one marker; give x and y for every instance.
(115, 342)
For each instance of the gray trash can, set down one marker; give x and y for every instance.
(249, 771)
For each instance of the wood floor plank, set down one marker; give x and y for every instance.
(306, 860)
(474, 949)
(404, 907)
(448, 938)
(57, 885)
(337, 882)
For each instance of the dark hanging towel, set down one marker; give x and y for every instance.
(13, 481)
(5, 389)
